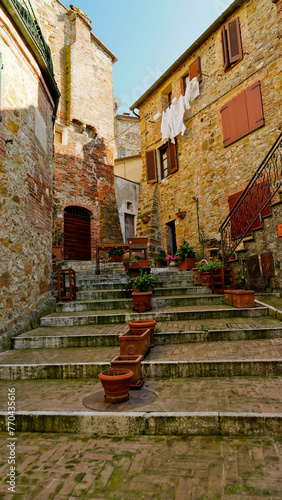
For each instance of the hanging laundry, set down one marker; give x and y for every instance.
(179, 109)
(192, 91)
(165, 128)
(171, 119)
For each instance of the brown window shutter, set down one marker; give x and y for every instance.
(239, 118)
(224, 49)
(151, 166)
(226, 129)
(234, 40)
(195, 70)
(172, 158)
(254, 106)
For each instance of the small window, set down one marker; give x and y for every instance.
(231, 43)
(194, 71)
(58, 137)
(164, 161)
(169, 98)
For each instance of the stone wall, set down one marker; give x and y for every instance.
(206, 169)
(127, 195)
(26, 173)
(128, 136)
(84, 157)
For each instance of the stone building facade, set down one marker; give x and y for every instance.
(29, 99)
(85, 210)
(228, 131)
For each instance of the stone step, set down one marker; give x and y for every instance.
(247, 406)
(170, 314)
(65, 338)
(213, 359)
(127, 303)
(120, 294)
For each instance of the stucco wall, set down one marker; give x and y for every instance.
(127, 195)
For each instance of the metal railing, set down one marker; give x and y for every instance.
(28, 16)
(253, 200)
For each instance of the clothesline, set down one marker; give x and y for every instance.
(172, 117)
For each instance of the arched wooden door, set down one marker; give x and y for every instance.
(77, 235)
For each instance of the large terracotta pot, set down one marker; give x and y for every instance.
(116, 384)
(142, 301)
(139, 326)
(196, 276)
(186, 264)
(58, 251)
(240, 298)
(115, 258)
(205, 278)
(134, 345)
(132, 363)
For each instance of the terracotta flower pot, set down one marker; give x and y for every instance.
(186, 264)
(116, 384)
(141, 301)
(205, 278)
(134, 345)
(159, 263)
(132, 363)
(240, 298)
(196, 276)
(58, 251)
(139, 326)
(115, 258)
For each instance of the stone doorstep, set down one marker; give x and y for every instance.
(148, 423)
(111, 340)
(149, 369)
(112, 317)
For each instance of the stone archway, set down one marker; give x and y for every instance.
(77, 233)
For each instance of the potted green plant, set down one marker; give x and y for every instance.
(57, 243)
(143, 286)
(116, 254)
(116, 384)
(145, 217)
(172, 260)
(205, 271)
(186, 256)
(160, 260)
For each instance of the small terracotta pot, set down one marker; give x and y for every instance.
(132, 363)
(141, 301)
(116, 384)
(139, 326)
(186, 264)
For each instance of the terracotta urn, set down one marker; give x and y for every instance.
(142, 301)
(116, 384)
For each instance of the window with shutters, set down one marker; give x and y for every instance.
(194, 71)
(231, 43)
(168, 159)
(151, 166)
(242, 115)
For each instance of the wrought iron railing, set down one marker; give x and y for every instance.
(253, 200)
(29, 18)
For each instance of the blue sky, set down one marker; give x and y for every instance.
(147, 37)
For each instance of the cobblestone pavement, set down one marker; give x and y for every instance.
(236, 394)
(58, 466)
(249, 349)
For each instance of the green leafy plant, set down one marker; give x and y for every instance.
(144, 282)
(152, 262)
(185, 251)
(127, 287)
(207, 267)
(116, 251)
(161, 257)
(277, 264)
(136, 258)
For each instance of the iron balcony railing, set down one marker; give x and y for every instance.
(254, 199)
(28, 16)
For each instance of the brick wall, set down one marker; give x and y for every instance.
(206, 169)
(128, 136)
(26, 172)
(84, 160)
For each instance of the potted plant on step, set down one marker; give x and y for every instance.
(133, 344)
(186, 256)
(205, 271)
(160, 260)
(139, 326)
(133, 363)
(116, 254)
(172, 260)
(143, 285)
(116, 384)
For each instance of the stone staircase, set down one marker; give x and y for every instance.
(214, 369)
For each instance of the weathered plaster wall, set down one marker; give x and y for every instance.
(26, 172)
(127, 195)
(206, 169)
(129, 168)
(128, 135)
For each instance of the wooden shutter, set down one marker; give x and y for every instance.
(234, 117)
(151, 166)
(224, 49)
(254, 106)
(234, 40)
(172, 158)
(195, 70)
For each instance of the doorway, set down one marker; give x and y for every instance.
(171, 238)
(128, 226)
(77, 234)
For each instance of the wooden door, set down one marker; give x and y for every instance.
(129, 226)
(77, 235)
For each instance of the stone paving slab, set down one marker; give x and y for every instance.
(236, 394)
(60, 466)
(162, 326)
(250, 349)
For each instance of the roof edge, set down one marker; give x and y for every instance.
(211, 29)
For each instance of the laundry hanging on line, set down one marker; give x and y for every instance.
(172, 119)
